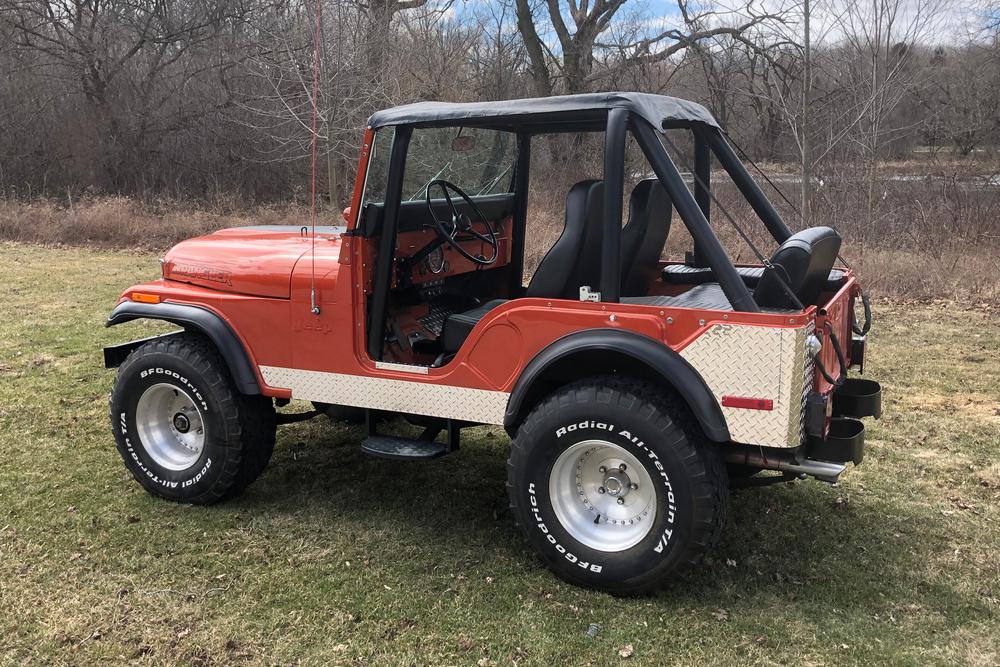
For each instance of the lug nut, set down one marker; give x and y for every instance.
(602, 469)
(633, 486)
(621, 501)
(600, 489)
(621, 468)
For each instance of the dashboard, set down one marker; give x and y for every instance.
(445, 261)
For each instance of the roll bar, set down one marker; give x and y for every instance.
(614, 191)
(741, 177)
(694, 210)
(692, 216)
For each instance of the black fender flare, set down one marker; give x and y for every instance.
(650, 358)
(198, 319)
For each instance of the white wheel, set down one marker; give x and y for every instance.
(602, 495)
(170, 426)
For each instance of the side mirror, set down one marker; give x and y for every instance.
(463, 144)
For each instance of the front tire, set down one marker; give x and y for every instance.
(615, 486)
(182, 428)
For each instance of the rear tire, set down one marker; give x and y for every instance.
(182, 428)
(615, 486)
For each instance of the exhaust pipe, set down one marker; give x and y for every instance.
(769, 459)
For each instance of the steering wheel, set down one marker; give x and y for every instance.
(459, 228)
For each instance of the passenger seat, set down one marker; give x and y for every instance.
(644, 236)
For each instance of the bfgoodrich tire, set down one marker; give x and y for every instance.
(614, 485)
(182, 428)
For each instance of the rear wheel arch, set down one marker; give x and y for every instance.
(199, 320)
(604, 352)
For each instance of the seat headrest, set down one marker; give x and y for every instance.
(581, 191)
(803, 261)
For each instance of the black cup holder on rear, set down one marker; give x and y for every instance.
(858, 398)
(845, 441)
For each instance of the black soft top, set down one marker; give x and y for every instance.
(547, 114)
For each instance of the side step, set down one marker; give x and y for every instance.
(391, 447)
(411, 449)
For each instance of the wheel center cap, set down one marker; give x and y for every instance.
(182, 423)
(617, 484)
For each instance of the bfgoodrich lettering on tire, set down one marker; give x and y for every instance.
(614, 485)
(182, 428)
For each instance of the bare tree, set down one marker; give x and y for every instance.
(582, 32)
(135, 65)
(877, 71)
(498, 57)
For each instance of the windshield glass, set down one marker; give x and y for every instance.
(479, 161)
(483, 163)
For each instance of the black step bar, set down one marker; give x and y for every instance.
(421, 448)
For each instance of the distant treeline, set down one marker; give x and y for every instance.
(196, 98)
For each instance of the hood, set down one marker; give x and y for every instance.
(257, 261)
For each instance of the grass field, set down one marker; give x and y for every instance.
(332, 557)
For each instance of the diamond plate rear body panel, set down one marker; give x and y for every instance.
(757, 362)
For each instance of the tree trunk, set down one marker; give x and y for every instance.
(806, 90)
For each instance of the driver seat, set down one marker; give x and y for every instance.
(572, 261)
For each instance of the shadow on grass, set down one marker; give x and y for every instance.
(801, 541)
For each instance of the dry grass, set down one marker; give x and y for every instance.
(335, 558)
(970, 276)
(120, 222)
(929, 241)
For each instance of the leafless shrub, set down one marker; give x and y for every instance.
(120, 222)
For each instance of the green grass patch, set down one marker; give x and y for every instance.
(336, 558)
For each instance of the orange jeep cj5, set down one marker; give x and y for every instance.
(635, 391)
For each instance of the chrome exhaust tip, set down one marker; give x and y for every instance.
(824, 471)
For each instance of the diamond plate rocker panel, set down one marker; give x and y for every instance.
(756, 362)
(419, 398)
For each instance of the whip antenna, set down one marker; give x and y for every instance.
(315, 144)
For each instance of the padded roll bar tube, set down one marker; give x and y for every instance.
(614, 186)
(732, 285)
(741, 177)
(387, 242)
(702, 186)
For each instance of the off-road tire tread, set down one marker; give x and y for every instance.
(249, 419)
(707, 470)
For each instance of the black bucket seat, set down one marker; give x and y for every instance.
(644, 236)
(572, 261)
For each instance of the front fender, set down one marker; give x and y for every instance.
(597, 351)
(204, 321)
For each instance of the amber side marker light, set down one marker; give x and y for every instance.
(142, 297)
(747, 403)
